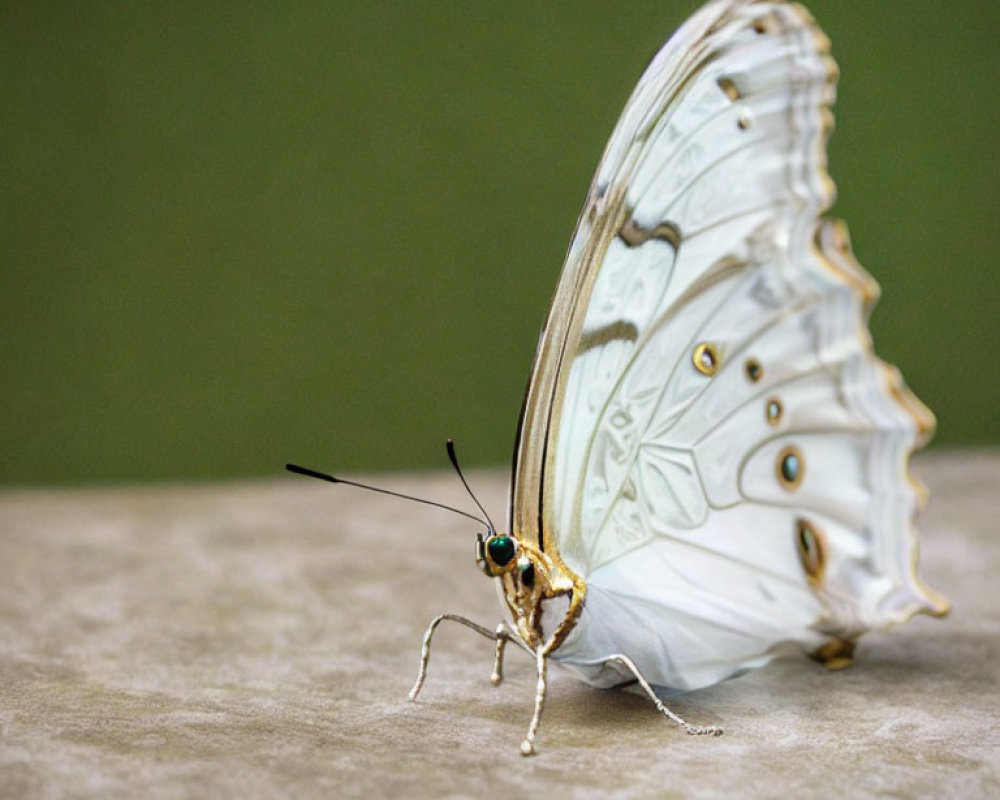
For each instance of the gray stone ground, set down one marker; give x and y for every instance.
(259, 640)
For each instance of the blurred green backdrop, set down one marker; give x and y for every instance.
(236, 234)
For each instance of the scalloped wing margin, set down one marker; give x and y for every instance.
(701, 227)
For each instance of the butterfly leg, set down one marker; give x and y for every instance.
(694, 730)
(528, 745)
(502, 635)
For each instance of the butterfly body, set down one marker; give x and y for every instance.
(711, 462)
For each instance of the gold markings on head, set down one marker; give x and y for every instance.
(773, 411)
(706, 358)
(791, 467)
(753, 370)
(743, 123)
(811, 545)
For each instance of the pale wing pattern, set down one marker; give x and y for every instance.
(705, 413)
(602, 218)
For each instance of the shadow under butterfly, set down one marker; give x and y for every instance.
(711, 463)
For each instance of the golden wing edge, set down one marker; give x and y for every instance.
(606, 214)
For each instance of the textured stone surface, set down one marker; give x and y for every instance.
(259, 640)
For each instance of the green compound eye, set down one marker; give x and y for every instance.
(501, 550)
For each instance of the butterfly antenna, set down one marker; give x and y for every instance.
(311, 473)
(450, 446)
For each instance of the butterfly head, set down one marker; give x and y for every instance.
(497, 553)
(500, 554)
(527, 577)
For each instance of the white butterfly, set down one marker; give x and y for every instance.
(711, 462)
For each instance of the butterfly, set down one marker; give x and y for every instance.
(711, 463)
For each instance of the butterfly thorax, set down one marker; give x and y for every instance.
(529, 577)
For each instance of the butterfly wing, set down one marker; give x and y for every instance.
(707, 437)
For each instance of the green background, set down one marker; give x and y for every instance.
(240, 234)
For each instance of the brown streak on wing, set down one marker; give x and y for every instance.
(633, 234)
(616, 331)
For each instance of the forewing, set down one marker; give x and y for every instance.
(707, 353)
